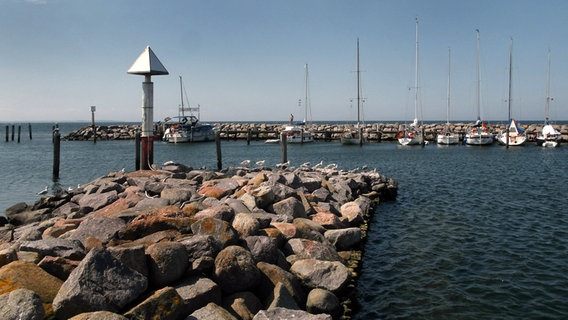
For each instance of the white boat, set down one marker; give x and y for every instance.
(354, 134)
(187, 128)
(412, 134)
(479, 134)
(548, 137)
(512, 135)
(298, 133)
(447, 136)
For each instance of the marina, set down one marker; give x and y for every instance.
(442, 248)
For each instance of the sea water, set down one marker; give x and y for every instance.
(475, 233)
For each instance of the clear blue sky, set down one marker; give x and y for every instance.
(243, 60)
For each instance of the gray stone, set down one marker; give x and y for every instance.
(243, 305)
(167, 262)
(100, 282)
(245, 224)
(329, 275)
(323, 301)
(271, 276)
(177, 195)
(132, 256)
(102, 228)
(201, 245)
(95, 201)
(163, 304)
(282, 298)
(64, 248)
(283, 313)
(196, 292)
(353, 212)
(221, 230)
(98, 315)
(21, 304)
(211, 311)
(290, 206)
(306, 249)
(344, 239)
(263, 248)
(235, 269)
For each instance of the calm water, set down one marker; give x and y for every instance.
(476, 232)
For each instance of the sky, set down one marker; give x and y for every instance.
(243, 60)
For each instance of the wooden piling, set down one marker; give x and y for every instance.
(218, 148)
(56, 154)
(13, 130)
(7, 133)
(19, 132)
(137, 145)
(248, 136)
(30, 130)
(283, 145)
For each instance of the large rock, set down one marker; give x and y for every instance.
(329, 275)
(163, 304)
(167, 261)
(100, 282)
(211, 311)
(95, 201)
(221, 230)
(344, 239)
(290, 206)
(101, 228)
(64, 248)
(21, 304)
(133, 256)
(243, 305)
(26, 275)
(272, 275)
(196, 292)
(245, 224)
(263, 248)
(235, 269)
(283, 313)
(201, 245)
(323, 301)
(353, 212)
(98, 315)
(306, 249)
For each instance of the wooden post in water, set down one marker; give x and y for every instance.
(30, 130)
(218, 147)
(93, 109)
(7, 132)
(137, 152)
(19, 132)
(360, 136)
(56, 154)
(13, 129)
(283, 145)
(248, 136)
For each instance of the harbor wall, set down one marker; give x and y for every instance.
(177, 243)
(322, 132)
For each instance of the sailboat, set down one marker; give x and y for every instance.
(183, 128)
(513, 135)
(412, 134)
(479, 133)
(548, 136)
(354, 135)
(447, 136)
(298, 133)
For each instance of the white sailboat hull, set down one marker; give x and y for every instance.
(448, 139)
(406, 141)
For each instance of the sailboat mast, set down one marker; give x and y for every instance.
(478, 83)
(547, 105)
(449, 83)
(358, 87)
(306, 101)
(510, 87)
(416, 76)
(181, 96)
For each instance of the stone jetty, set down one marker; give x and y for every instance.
(179, 243)
(322, 132)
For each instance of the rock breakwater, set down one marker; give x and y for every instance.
(179, 243)
(322, 132)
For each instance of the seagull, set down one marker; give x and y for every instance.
(69, 189)
(169, 163)
(305, 164)
(260, 163)
(44, 191)
(245, 163)
(317, 165)
(122, 170)
(283, 165)
(331, 166)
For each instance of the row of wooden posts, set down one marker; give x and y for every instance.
(19, 132)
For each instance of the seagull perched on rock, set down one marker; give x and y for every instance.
(44, 191)
(245, 163)
(169, 163)
(317, 165)
(149, 196)
(283, 165)
(331, 166)
(260, 163)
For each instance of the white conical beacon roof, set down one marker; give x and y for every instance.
(148, 64)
